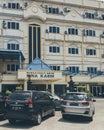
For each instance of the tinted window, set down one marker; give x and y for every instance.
(45, 97)
(1, 97)
(20, 96)
(36, 96)
(74, 96)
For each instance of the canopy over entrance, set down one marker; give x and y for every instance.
(11, 55)
(37, 70)
(38, 64)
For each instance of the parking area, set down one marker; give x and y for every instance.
(57, 123)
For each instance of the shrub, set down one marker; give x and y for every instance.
(8, 92)
(19, 88)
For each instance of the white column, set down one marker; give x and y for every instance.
(25, 84)
(0, 87)
(52, 88)
(46, 86)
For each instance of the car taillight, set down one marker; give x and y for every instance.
(63, 102)
(30, 102)
(85, 103)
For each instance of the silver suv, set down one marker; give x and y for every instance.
(78, 103)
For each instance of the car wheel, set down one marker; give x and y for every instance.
(90, 118)
(38, 119)
(53, 112)
(12, 121)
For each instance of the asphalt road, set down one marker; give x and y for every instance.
(57, 123)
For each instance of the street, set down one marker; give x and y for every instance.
(57, 123)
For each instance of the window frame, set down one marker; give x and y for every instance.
(73, 50)
(90, 52)
(54, 49)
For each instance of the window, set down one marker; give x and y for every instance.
(72, 31)
(53, 10)
(55, 67)
(54, 29)
(14, 5)
(54, 49)
(90, 52)
(103, 16)
(13, 25)
(92, 70)
(73, 50)
(89, 33)
(12, 46)
(12, 67)
(73, 69)
(90, 15)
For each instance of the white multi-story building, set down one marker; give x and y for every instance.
(68, 35)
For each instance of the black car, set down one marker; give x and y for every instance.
(29, 105)
(2, 105)
(56, 99)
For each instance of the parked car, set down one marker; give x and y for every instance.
(29, 105)
(78, 103)
(56, 99)
(2, 105)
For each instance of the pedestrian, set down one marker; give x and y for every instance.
(71, 85)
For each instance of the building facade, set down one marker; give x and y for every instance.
(67, 35)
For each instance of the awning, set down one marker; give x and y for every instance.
(11, 55)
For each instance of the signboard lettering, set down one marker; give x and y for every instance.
(40, 74)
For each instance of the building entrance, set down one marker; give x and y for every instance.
(97, 91)
(38, 87)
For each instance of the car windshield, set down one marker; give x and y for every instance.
(75, 96)
(19, 96)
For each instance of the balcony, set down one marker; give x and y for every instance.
(9, 33)
(7, 77)
(76, 38)
(86, 3)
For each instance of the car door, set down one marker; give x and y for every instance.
(2, 104)
(40, 103)
(49, 104)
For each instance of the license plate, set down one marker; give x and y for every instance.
(16, 108)
(73, 104)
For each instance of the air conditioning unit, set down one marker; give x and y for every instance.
(96, 17)
(44, 6)
(100, 17)
(47, 11)
(25, 4)
(84, 15)
(47, 31)
(21, 7)
(66, 10)
(66, 32)
(4, 5)
(102, 55)
(4, 24)
(61, 12)
(67, 68)
(102, 35)
(96, 13)
(84, 32)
